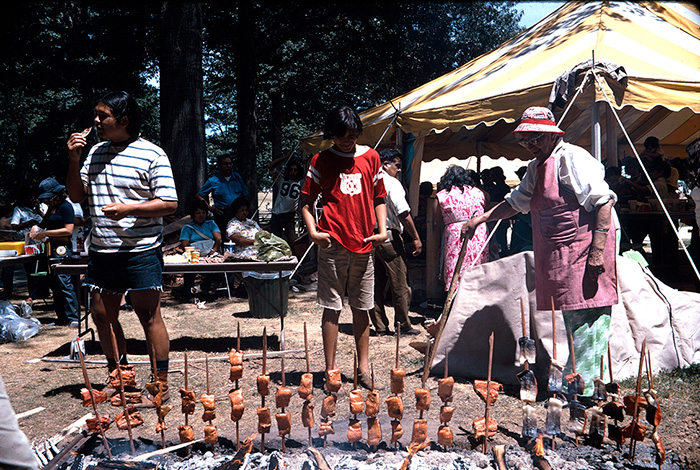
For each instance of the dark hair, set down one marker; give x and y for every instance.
(198, 204)
(339, 120)
(613, 171)
(497, 173)
(25, 196)
(123, 104)
(651, 143)
(457, 176)
(220, 157)
(389, 155)
(661, 166)
(693, 150)
(238, 203)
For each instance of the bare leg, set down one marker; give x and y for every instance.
(146, 304)
(329, 332)
(360, 330)
(105, 313)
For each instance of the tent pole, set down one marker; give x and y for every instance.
(646, 174)
(595, 119)
(595, 131)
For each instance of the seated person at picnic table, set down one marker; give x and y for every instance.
(203, 235)
(241, 230)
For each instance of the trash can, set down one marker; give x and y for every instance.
(264, 296)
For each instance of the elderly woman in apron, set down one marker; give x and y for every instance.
(573, 234)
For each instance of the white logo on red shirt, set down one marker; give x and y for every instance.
(351, 184)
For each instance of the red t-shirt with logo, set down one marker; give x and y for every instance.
(348, 184)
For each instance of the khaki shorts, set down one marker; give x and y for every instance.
(341, 272)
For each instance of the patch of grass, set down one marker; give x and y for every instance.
(678, 381)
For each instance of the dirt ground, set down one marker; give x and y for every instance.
(36, 375)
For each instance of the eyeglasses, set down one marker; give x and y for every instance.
(530, 142)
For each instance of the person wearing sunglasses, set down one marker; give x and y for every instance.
(574, 239)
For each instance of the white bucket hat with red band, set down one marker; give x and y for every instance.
(538, 119)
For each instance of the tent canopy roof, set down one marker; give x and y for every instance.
(657, 44)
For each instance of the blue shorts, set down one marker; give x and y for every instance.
(123, 271)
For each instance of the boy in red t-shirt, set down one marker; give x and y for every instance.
(346, 177)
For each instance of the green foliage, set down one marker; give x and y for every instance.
(316, 57)
(59, 57)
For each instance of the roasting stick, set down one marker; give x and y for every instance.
(94, 403)
(635, 418)
(354, 386)
(160, 392)
(396, 366)
(488, 394)
(554, 351)
(308, 371)
(121, 390)
(524, 327)
(264, 372)
(206, 366)
(612, 381)
(238, 349)
(426, 370)
(573, 369)
(187, 383)
(284, 384)
(374, 447)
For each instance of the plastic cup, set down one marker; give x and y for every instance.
(195, 257)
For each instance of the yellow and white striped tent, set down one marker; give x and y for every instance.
(473, 109)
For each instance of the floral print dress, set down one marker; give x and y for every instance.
(246, 228)
(457, 207)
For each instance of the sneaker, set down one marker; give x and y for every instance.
(73, 324)
(364, 379)
(410, 332)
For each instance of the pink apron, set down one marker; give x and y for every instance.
(562, 231)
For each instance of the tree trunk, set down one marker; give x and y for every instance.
(181, 97)
(246, 88)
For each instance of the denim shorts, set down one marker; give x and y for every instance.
(123, 271)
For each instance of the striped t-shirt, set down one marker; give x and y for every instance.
(133, 174)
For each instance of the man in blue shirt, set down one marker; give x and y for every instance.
(225, 187)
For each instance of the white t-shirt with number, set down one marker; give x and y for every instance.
(287, 199)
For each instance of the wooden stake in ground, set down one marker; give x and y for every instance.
(209, 404)
(488, 393)
(94, 403)
(577, 411)
(238, 349)
(637, 396)
(307, 407)
(395, 402)
(121, 390)
(158, 398)
(264, 374)
(445, 437)
(356, 407)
